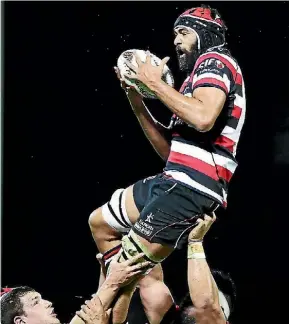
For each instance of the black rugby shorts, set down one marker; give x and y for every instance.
(168, 210)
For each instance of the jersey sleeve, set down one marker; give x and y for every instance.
(213, 70)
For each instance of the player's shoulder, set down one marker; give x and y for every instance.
(217, 55)
(217, 58)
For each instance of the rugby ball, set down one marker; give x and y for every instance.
(142, 89)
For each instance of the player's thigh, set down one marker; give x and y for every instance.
(118, 215)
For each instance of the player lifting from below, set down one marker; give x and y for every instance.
(211, 298)
(212, 292)
(207, 304)
(208, 115)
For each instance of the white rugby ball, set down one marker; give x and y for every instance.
(142, 89)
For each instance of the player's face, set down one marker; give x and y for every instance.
(186, 44)
(37, 310)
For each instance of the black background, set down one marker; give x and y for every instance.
(71, 139)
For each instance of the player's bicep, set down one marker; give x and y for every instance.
(211, 85)
(213, 100)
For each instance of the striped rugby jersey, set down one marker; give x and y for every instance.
(206, 160)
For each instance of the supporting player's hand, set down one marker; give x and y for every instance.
(198, 233)
(93, 312)
(101, 262)
(145, 71)
(121, 274)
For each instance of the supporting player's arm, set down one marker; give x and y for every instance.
(154, 133)
(203, 289)
(120, 274)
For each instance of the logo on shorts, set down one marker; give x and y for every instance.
(149, 217)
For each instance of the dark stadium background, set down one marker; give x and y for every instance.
(71, 139)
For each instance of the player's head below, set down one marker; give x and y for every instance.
(227, 298)
(196, 31)
(23, 305)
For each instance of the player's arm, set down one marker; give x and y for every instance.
(120, 274)
(200, 111)
(122, 302)
(210, 87)
(154, 133)
(203, 289)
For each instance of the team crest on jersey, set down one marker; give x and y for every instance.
(219, 64)
(211, 62)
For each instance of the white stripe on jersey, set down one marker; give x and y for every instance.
(224, 79)
(180, 176)
(203, 155)
(239, 101)
(225, 162)
(192, 150)
(230, 133)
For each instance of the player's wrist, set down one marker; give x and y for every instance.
(111, 283)
(195, 249)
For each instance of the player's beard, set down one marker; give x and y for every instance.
(187, 60)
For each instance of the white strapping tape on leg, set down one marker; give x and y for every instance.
(115, 214)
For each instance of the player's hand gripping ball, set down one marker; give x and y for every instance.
(142, 89)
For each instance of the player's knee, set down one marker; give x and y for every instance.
(95, 220)
(99, 228)
(155, 305)
(131, 246)
(149, 296)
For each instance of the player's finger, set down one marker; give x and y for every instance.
(85, 309)
(90, 303)
(148, 57)
(116, 70)
(214, 216)
(200, 223)
(99, 257)
(108, 312)
(164, 61)
(199, 228)
(209, 220)
(138, 274)
(122, 82)
(83, 316)
(140, 266)
(134, 259)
